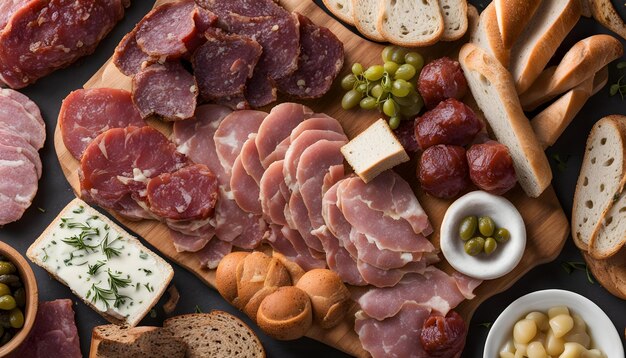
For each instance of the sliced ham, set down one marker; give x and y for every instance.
(211, 255)
(250, 159)
(273, 200)
(30, 106)
(189, 243)
(279, 243)
(299, 220)
(167, 91)
(245, 190)
(233, 132)
(304, 257)
(10, 139)
(85, 113)
(318, 121)
(390, 277)
(18, 184)
(16, 119)
(368, 252)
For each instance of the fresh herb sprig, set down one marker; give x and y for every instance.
(620, 85)
(107, 247)
(93, 269)
(571, 266)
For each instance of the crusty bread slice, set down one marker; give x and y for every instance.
(604, 12)
(602, 177)
(215, 334)
(365, 18)
(609, 236)
(513, 16)
(454, 19)
(539, 41)
(580, 63)
(487, 36)
(494, 91)
(410, 23)
(342, 9)
(112, 341)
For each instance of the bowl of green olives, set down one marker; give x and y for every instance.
(18, 299)
(483, 235)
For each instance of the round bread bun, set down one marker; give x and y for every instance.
(285, 314)
(330, 298)
(253, 305)
(225, 278)
(295, 271)
(255, 272)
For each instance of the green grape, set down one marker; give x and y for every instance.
(390, 108)
(347, 83)
(414, 59)
(391, 67)
(387, 52)
(377, 91)
(394, 122)
(374, 73)
(411, 110)
(351, 99)
(357, 69)
(405, 72)
(362, 88)
(368, 103)
(398, 55)
(400, 88)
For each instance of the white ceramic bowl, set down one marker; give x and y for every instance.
(603, 334)
(504, 214)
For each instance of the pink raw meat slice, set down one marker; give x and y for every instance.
(277, 128)
(129, 58)
(188, 243)
(16, 119)
(233, 132)
(250, 159)
(85, 113)
(245, 189)
(168, 91)
(30, 106)
(18, 184)
(214, 251)
(273, 202)
(13, 140)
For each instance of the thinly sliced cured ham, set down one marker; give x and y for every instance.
(318, 121)
(390, 277)
(299, 218)
(367, 251)
(16, 119)
(10, 139)
(211, 255)
(245, 190)
(18, 184)
(232, 133)
(273, 200)
(250, 159)
(303, 257)
(188, 243)
(30, 106)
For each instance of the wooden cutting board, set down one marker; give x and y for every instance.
(547, 226)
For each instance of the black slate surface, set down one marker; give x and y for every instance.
(55, 193)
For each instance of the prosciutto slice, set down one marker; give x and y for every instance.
(272, 189)
(211, 255)
(21, 145)
(18, 184)
(233, 132)
(245, 189)
(189, 243)
(250, 159)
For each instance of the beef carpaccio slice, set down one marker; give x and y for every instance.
(321, 58)
(85, 113)
(168, 91)
(43, 36)
(224, 63)
(54, 333)
(18, 184)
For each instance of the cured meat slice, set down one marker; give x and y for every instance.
(250, 159)
(250, 8)
(54, 331)
(128, 57)
(189, 243)
(319, 121)
(120, 162)
(8, 8)
(168, 91)
(277, 128)
(22, 146)
(187, 194)
(30, 106)
(37, 41)
(224, 64)
(245, 189)
(304, 257)
(394, 337)
(368, 252)
(211, 255)
(174, 29)
(16, 119)
(321, 59)
(18, 184)
(233, 132)
(279, 242)
(260, 89)
(273, 202)
(434, 289)
(390, 277)
(299, 218)
(85, 113)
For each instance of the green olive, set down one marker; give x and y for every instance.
(7, 302)
(347, 83)
(16, 318)
(394, 122)
(502, 235)
(368, 103)
(357, 69)
(474, 246)
(351, 99)
(486, 226)
(390, 108)
(391, 67)
(4, 289)
(377, 91)
(20, 297)
(405, 72)
(6, 267)
(400, 88)
(398, 55)
(414, 59)
(11, 280)
(6, 337)
(374, 73)
(387, 52)
(468, 226)
(490, 245)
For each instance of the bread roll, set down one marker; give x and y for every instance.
(252, 307)
(256, 271)
(225, 277)
(286, 314)
(330, 298)
(295, 271)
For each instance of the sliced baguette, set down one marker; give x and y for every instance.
(215, 334)
(454, 19)
(410, 23)
(609, 236)
(111, 341)
(487, 36)
(365, 18)
(537, 44)
(342, 9)
(604, 12)
(580, 63)
(494, 91)
(513, 16)
(602, 177)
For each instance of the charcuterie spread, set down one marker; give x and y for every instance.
(369, 196)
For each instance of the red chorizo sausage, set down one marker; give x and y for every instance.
(491, 167)
(443, 171)
(441, 79)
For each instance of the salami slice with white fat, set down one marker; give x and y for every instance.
(18, 184)
(260, 90)
(321, 59)
(129, 58)
(8, 8)
(168, 91)
(85, 113)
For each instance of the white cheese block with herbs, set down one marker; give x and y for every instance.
(102, 264)
(374, 150)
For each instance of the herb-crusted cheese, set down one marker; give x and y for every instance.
(101, 263)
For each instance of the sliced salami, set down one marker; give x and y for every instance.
(168, 91)
(18, 184)
(129, 58)
(22, 146)
(16, 119)
(251, 8)
(321, 59)
(8, 8)
(260, 90)
(85, 113)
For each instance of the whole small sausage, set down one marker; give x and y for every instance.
(443, 336)
(406, 136)
(443, 171)
(441, 79)
(451, 122)
(491, 167)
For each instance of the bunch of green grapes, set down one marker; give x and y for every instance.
(389, 87)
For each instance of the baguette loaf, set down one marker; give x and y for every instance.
(487, 36)
(537, 44)
(365, 18)
(410, 23)
(602, 177)
(513, 16)
(604, 12)
(454, 19)
(580, 63)
(111, 341)
(494, 91)
(342, 9)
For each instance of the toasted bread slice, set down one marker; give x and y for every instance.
(513, 16)
(111, 341)
(410, 23)
(365, 18)
(604, 12)
(486, 35)
(454, 19)
(342, 9)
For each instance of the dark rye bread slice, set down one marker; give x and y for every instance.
(215, 334)
(112, 341)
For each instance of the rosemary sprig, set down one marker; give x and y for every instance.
(115, 281)
(93, 269)
(107, 249)
(100, 294)
(561, 162)
(571, 266)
